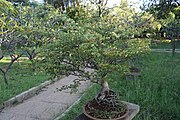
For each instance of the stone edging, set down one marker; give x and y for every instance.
(26, 94)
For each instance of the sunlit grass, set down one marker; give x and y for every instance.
(166, 41)
(5, 61)
(8, 59)
(164, 44)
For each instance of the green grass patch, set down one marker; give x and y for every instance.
(21, 77)
(156, 91)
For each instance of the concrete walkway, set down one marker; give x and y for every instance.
(165, 50)
(47, 105)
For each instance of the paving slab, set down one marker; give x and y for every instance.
(47, 105)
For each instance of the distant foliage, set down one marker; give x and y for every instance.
(66, 43)
(26, 28)
(167, 13)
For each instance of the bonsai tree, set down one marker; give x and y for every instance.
(92, 49)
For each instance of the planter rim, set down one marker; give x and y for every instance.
(93, 118)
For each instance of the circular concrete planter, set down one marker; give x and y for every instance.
(132, 108)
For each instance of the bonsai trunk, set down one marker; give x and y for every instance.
(106, 105)
(105, 87)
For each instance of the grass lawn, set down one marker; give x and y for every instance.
(21, 77)
(156, 91)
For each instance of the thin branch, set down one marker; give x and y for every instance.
(141, 24)
(1, 57)
(13, 59)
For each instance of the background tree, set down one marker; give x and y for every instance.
(161, 8)
(62, 4)
(16, 2)
(25, 28)
(9, 35)
(167, 13)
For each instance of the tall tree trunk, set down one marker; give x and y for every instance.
(173, 47)
(4, 76)
(100, 7)
(1, 54)
(31, 55)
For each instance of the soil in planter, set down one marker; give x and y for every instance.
(108, 107)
